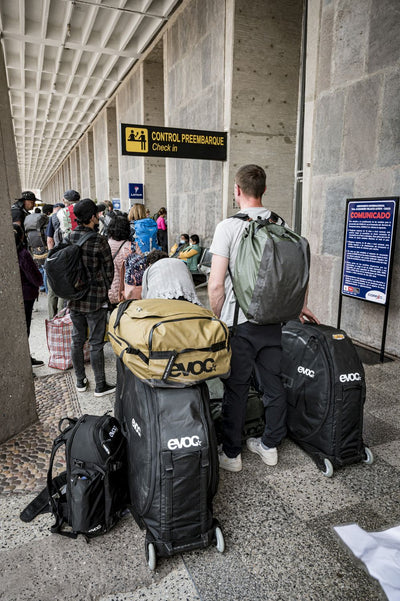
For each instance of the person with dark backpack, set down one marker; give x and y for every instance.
(90, 310)
(54, 304)
(256, 345)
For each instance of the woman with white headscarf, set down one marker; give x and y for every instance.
(168, 278)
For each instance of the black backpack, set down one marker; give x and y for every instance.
(66, 273)
(35, 226)
(91, 495)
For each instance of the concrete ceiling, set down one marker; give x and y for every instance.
(64, 59)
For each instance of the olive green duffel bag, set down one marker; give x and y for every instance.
(170, 342)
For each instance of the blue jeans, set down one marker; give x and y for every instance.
(96, 322)
(44, 276)
(254, 349)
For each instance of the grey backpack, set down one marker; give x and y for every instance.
(271, 271)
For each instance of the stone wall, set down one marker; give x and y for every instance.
(129, 109)
(18, 407)
(106, 155)
(355, 150)
(194, 98)
(88, 184)
(266, 60)
(155, 191)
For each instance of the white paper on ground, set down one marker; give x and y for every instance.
(380, 551)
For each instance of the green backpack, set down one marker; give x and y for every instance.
(271, 271)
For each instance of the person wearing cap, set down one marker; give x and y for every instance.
(22, 207)
(90, 312)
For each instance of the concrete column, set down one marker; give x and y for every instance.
(17, 408)
(153, 99)
(354, 147)
(86, 166)
(75, 180)
(194, 75)
(265, 80)
(113, 153)
(106, 155)
(129, 109)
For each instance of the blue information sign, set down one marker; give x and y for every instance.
(368, 249)
(136, 192)
(116, 203)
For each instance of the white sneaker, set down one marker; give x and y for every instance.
(268, 455)
(231, 464)
(82, 385)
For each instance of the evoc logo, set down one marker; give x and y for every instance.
(184, 442)
(136, 427)
(194, 368)
(306, 371)
(356, 377)
(113, 431)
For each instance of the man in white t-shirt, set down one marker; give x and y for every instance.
(254, 347)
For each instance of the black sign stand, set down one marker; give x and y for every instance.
(390, 267)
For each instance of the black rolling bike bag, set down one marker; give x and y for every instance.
(325, 384)
(172, 462)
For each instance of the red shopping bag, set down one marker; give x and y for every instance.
(58, 335)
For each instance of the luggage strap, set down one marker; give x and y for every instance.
(204, 468)
(166, 516)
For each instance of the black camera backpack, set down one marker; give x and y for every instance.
(91, 495)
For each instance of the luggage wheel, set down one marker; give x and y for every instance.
(328, 468)
(220, 541)
(369, 458)
(151, 555)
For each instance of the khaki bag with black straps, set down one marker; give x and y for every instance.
(170, 343)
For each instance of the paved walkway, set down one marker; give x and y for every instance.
(278, 522)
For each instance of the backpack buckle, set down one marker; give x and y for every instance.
(79, 463)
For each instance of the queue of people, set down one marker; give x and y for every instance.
(130, 260)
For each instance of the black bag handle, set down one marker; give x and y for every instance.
(122, 307)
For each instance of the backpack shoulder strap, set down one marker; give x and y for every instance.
(55, 485)
(84, 238)
(41, 503)
(273, 218)
(115, 254)
(242, 217)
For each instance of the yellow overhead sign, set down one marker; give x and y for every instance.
(137, 139)
(171, 142)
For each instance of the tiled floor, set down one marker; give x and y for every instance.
(278, 525)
